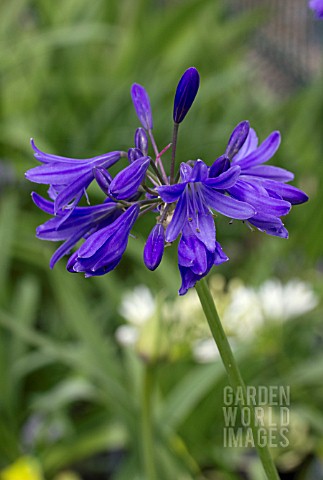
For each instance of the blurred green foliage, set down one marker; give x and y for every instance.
(67, 391)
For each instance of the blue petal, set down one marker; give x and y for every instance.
(219, 255)
(225, 179)
(110, 252)
(97, 240)
(64, 249)
(249, 146)
(199, 172)
(72, 190)
(230, 207)
(56, 174)
(269, 224)
(171, 193)
(193, 254)
(287, 192)
(50, 158)
(178, 220)
(262, 203)
(186, 172)
(268, 171)
(219, 166)
(237, 139)
(202, 226)
(188, 275)
(263, 153)
(43, 204)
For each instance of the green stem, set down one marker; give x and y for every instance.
(233, 371)
(147, 424)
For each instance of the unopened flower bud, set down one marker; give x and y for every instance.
(103, 178)
(134, 154)
(141, 140)
(142, 105)
(185, 93)
(154, 248)
(126, 183)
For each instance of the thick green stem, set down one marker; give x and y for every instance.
(233, 371)
(147, 424)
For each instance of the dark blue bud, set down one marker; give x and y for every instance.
(185, 93)
(103, 178)
(142, 105)
(154, 248)
(237, 139)
(126, 183)
(141, 140)
(134, 154)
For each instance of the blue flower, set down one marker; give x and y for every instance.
(238, 185)
(68, 177)
(195, 260)
(82, 222)
(103, 250)
(264, 186)
(196, 196)
(317, 6)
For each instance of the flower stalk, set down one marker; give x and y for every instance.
(233, 371)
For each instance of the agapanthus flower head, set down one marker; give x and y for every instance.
(317, 7)
(184, 204)
(185, 94)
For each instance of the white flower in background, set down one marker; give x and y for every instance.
(166, 329)
(282, 302)
(243, 314)
(138, 306)
(247, 308)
